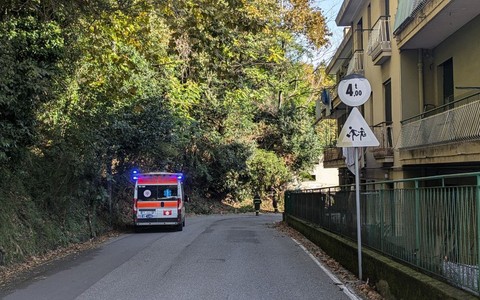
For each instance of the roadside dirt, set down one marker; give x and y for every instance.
(9, 273)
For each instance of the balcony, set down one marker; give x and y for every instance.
(355, 65)
(333, 158)
(450, 132)
(379, 46)
(453, 122)
(429, 22)
(384, 134)
(343, 52)
(349, 11)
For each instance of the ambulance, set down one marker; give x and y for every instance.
(158, 200)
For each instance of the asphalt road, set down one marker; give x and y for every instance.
(214, 257)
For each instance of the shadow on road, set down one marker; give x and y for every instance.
(154, 229)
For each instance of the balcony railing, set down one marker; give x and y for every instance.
(356, 63)
(332, 154)
(333, 158)
(453, 122)
(384, 133)
(379, 46)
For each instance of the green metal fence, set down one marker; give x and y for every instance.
(431, 223)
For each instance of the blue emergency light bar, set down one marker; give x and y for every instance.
(135, 174)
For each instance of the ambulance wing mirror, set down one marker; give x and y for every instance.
(187, 198)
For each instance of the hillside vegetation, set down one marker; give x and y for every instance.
(89, 90)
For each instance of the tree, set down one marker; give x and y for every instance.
(303, 19)
(30, 51)
(89, 89)
(268, 174)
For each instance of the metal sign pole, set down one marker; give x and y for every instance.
(354, 90)
(359, 231)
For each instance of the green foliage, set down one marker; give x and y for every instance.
(290, 134)
(267, 172)
(29, 54)
(90, 89)
(34, 221)
(302, 19)
(213, 165)
(327, 132)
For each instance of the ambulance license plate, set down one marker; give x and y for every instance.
(147, 213)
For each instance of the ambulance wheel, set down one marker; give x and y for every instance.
(180, 227)
(183, 223)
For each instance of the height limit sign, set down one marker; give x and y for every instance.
(354, 90)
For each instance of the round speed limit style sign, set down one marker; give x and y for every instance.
(354, 90)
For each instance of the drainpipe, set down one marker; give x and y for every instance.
(421, 99)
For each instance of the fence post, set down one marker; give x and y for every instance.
(287, 208)
(329, 210)
(417, 222)
(382, 216)
(312, 208)
(478, 231)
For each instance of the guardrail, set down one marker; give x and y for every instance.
(430, 223)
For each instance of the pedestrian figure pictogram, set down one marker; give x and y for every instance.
(356, 132)
(353, 133)
(362, 133)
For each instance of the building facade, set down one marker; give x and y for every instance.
(421, 58)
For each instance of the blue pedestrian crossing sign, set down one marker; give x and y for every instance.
(356, 132)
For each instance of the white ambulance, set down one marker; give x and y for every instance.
(159, 200)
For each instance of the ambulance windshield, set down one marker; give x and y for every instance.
(156, 192)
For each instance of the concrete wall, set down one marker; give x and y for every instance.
(393, 280)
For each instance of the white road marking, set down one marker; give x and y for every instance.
(332, 276)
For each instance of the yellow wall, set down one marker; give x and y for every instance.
(464, 48)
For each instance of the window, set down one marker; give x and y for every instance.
(359, 36)
(156, 192)
(387, 91)
(447, 70)
(369, 16)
